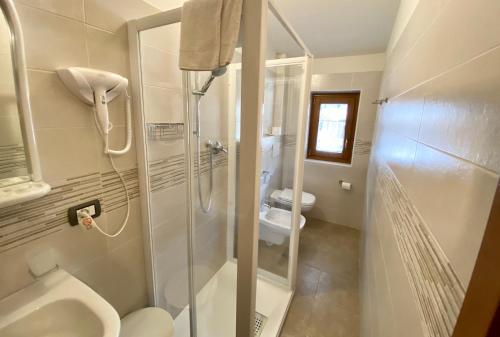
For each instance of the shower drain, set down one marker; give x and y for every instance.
(260, 320)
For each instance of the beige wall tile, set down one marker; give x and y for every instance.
(161, 211)
(406, 316)
(73, 249)
(163, 105)
(383, 296)
(425, 13)
(112, 15)
(158, 149)
(464, 105)
(7, 81)
(398, 152)
(115, 219)
(403, 114)
(129, 277)
(67, 153)
(435, 134)
(166, 38)
(457, 213)
(369, 85)
(51, 41)
(322, 178)
(69, 8)
(108, 51)
(160, 69)
(479, 35)
(4, 38)
(341, 207)
(11, 130)
(53, 105)
(69, 145)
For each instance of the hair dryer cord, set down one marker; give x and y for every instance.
(120, 176)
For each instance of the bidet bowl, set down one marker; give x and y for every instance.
(275, 225)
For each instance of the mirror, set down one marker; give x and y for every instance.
(20, 174)
(13, 161)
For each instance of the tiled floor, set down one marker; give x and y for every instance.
(274, 258)
(326, 299)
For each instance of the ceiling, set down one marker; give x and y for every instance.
(341, 27)
(329, 27)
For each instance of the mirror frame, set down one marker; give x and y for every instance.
(34, 188)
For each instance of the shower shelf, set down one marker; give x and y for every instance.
(165, 131)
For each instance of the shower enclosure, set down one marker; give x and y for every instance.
(211, 150)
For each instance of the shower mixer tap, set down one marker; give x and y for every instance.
(216, 147)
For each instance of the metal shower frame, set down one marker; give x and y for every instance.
(253, 32)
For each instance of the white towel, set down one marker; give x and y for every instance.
(209, 33)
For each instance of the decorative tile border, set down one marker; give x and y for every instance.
(169, 172)
(438, 291)
(12, 159)
(289, 140)
(362, 147)
(112, 194)
(28, 221)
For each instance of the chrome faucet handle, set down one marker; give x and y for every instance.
(222, 148)
(217, 147)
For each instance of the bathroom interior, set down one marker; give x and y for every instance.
(220, 168)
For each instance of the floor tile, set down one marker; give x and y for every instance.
(326, 301)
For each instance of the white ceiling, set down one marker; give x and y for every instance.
(329, 27)
(342, 27)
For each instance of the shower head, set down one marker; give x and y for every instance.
(215, 73)
(219, 71)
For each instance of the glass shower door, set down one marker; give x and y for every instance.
(214, 275)
(192, 155)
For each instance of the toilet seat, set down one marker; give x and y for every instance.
(147, 322)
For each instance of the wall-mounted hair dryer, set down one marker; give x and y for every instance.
(98, 88)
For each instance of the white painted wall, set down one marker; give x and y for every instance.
(349, 64)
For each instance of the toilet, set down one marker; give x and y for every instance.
(283, 198)
(147, 322)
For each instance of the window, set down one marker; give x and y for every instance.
(332, 125)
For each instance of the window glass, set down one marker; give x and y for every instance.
(331, 128)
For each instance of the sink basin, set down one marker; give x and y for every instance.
(57, 305)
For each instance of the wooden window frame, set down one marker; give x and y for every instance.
(480, 312)
(317, 98)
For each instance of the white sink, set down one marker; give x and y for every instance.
(57, 305)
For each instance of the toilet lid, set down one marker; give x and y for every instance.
(147, 322)
(286, 195)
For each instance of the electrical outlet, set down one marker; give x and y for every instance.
(93, 207)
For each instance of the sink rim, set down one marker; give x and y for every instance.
(55, 286)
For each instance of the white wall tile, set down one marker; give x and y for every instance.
(52, 41)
